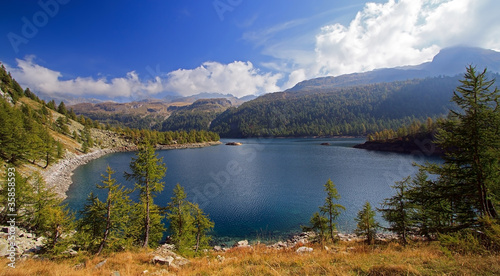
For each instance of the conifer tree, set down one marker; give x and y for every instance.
(430, 210)
(91, 224)
(136, 228)
(330, 208)
(62, 108)
(58, 221)
(180, 218)
(18, 187)
(318, 224)
(469, 180)
(103, 224)
(397, 210)
(147, 170)
(366, 224)
(202, 224)
(116, 208)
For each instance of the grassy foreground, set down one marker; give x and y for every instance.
(342, 259)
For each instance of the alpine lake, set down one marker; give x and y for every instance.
(264, 189)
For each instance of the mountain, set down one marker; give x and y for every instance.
(448, 62)
(352, 104)
(360, 103)
(234, 101)
(175, 115)
(137, 114)
(345, 111)
(197, 116)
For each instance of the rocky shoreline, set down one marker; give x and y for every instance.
(58, 176)
(28, 245)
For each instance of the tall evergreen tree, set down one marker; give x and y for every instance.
(180, 218)
(91, 224)
(116, 209)
(430, 214)
(147, 170)
(202, 224)
(18, 187)
(366, 224)
(136, 228)
(398, 209)
(330, 208)
(469, 179)
(62, 108)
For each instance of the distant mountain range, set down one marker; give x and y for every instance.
(448, 62)
(352, 104)
(162, 114)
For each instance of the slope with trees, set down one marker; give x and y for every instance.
(459, 203)
(357, 110)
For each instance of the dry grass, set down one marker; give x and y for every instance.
(342, 259)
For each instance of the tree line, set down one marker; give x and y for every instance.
(116, 223)
(355, 110)
(455, 202)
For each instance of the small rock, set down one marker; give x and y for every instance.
(163, 261)
(281, 244)
(304, 249)
(4, 247)
(302, 241)
(99, 265)
(326, 248)
(243, 243)
(180, 261)
(220, 258)
(70, 252)
(217, 248)
(167, 246)
(115, 273)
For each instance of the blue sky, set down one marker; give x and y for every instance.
(136, 49)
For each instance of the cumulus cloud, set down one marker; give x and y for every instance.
(402, 32)
(45, 80)
(237, 78)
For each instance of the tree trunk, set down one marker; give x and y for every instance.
(108, 226)
(147, 222)
(198, 239)
(47, 160)
(331, 224)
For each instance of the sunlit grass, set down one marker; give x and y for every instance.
(340, 259)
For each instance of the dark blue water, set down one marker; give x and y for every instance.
(267, 187)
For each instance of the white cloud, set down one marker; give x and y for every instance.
(399, 32)
(39, 78)
(238, 78)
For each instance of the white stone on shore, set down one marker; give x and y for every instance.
(304, 249)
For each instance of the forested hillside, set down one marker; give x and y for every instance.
(26, 132)
(197, 116)
(38, 132)
(354, 110)
(182, 114)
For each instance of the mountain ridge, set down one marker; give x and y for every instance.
(448, 62)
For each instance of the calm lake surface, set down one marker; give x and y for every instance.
(266, 188)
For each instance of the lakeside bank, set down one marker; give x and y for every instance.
(59, 176)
